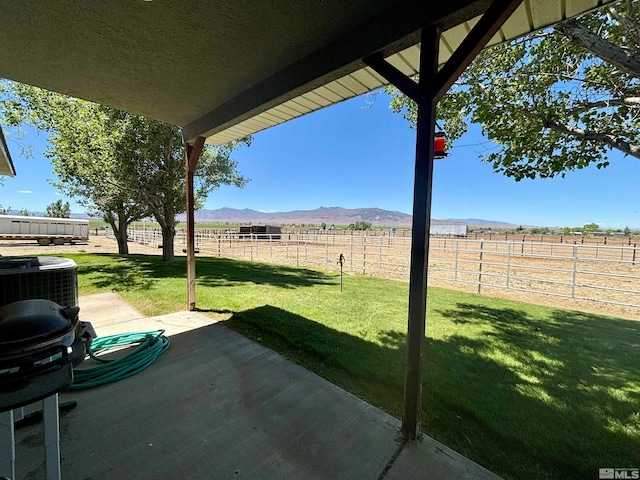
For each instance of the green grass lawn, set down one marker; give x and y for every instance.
(527, 391)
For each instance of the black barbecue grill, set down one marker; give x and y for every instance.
(37, 338)
(40, 343)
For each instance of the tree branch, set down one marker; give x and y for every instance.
(607, 139)
(607, 51)
(611, 102)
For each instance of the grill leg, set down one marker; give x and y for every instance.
(51, 437)
(7, 446)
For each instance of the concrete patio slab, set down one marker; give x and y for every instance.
(428, 458)
(106, 309)
(217, 405)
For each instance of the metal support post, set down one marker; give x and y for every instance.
(7, 445)
(51, 422)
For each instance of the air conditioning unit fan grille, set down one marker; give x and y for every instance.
(48, 278)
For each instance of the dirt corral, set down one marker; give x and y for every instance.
(544, 274)
(95, 244)
(527, 268)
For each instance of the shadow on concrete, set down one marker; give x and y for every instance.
(530, 398)
(217, 405)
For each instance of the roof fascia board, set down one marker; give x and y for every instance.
(386, 33)
(5, 157)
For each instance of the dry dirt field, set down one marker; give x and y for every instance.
(440, 259)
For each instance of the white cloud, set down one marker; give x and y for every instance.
(25, 191)
(58, 193)
(267, 211)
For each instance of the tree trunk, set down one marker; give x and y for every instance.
(120, 232)
(166, 217)
(168, 235)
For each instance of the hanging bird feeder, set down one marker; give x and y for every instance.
(439, 146)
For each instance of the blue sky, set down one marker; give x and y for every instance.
(360, 154)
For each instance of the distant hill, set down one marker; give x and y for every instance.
(328, 215)
(478, 222)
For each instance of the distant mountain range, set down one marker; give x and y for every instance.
(328, 215)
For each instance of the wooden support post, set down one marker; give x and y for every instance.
(192, 154)
(433, 84)
(420, 234)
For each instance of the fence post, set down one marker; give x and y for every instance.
(508, 263)
(575, 268)
(364, 255)
(455, 264)
(297, 250)
(480, 267)
(634, 254)
(351, 250)
(326, 248)
(379, 254)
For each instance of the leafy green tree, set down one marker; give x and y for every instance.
(25, 213)
(360, 225)
(554, 101)
(121, 166)
(152, 164)
(4, 211)
(83, 145)
(590, 227)
(627, 231)
(58, 209)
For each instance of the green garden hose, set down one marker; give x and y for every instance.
(150, 346)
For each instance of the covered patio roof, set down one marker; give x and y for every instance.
(223, 70)
(6, 164)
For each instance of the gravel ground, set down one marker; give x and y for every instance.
(96, 244)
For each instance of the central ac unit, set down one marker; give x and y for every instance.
(48, 278)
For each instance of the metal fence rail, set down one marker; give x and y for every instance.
(607, 274)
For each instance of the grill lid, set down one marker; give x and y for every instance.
(32, 324)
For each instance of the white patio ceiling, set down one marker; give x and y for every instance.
(224, 69)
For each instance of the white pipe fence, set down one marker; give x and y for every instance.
(607, 274)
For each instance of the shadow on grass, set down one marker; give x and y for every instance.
(131, 272)
(555, 397)
(119, 272)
